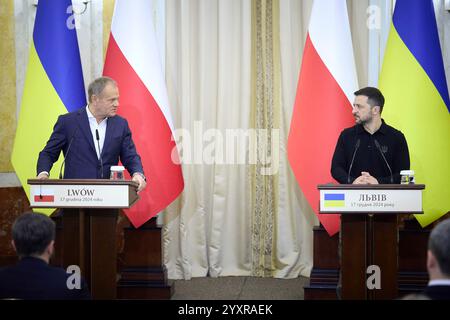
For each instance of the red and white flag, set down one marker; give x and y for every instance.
(133, 60)
(44, 194)
(324, 100)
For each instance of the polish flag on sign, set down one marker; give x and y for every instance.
(132, 59)
(43, 194)
(323, 105)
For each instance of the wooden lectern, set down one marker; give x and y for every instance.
(90, 211)
(369, 234)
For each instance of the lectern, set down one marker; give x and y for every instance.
(369, 234)
(90, 210)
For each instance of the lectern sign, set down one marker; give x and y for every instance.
(371, 200)
(79, 195)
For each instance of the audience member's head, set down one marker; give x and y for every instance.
(33, 235)
(438, 257)
(415, 296)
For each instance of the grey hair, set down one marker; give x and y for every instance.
(439, 245)
(32, 233)
(97, 86)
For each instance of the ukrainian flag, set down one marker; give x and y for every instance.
(334, 200)
(417, 100)
(53, 85)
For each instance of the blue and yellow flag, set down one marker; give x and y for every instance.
(417, 100)
(53, 85)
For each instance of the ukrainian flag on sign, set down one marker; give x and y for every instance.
(417, 100)
(53, 85)
(334, 200)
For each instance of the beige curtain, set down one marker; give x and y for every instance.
(232, 70)
(208, 76)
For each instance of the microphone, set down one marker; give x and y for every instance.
(384, 158)
(67, 153)
(353, 159)
(97, 136)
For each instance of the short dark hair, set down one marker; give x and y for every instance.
(439, 245)
(32, 233)
(97, 86)
(374, 96)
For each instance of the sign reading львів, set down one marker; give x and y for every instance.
(382, 200)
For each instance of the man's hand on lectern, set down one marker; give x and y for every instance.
(139, 178)
(42, 176)
(365, 178)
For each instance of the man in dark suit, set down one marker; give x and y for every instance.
(438, 262)
(32, 277)
(93, 139)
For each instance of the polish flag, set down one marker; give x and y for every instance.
(323, 105)
(132, 59)
(43, 194)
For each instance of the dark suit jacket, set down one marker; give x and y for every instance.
(33, 279)
(438, 292)
(81, 159)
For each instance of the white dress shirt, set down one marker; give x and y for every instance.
(101, 127)
(439, 282)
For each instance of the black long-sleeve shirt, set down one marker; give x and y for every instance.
(368, 158)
